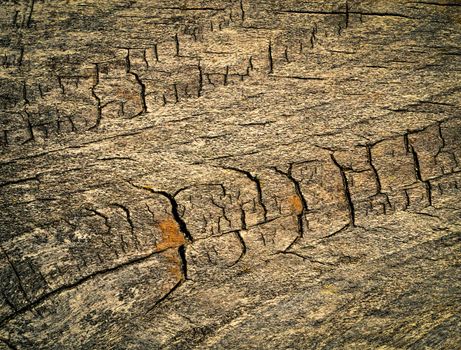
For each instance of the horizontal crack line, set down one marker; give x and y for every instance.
(44, 297)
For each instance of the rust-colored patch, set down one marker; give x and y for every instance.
(296, 204)
(174, 263)
(171, 235)
(171, 238)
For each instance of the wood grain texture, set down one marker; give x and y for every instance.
(230, 174)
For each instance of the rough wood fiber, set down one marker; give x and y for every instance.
(230, 174)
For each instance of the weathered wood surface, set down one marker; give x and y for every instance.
(230, 174)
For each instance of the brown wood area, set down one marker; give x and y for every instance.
(230, 174)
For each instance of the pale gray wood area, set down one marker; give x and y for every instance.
(230, 174)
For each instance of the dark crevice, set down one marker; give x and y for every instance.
(182, 256)
(128, 215)
(176, 40)
(271, 60)
(200, 79)
(347, 193)
(16, 274)
(156, 53)
(129, 220)
(97, 98)
(174, 209)
(29, 128)
(416, 164)
(299, 194)
(142, 92)
(66, 287)
(374, 170)
(192, 8)
(345, 227)
(297, 77)
(347, 14)
(144, 57)
(176, 94)
(239, 237)
(285, 252)
(104, 217)
(19, 181)
(226, 76)
(313, 36)
(428, 192)
(378, 14)
(165, 297)
(29, 15)
(442, 140)
(243, 221)
(418, 176)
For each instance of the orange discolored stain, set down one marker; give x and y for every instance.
(296, 204)
(171, 235)
(174, 263)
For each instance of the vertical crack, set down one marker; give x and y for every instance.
(156, 53)
(286, 54)
(200, 79)
(176, 94)
(442, 140)
(347, 14)
(376, 177)
(176, 40)
(16, 274)
(304, 209)
(29, 15)
(144, 57)
(271, 61)
(129, 220)
(30, 128)
(182, 256)
(226, 75)
(24, 93)
(347, 193)
(21, 56)
(96, 97)
(5, 137)
(61, 85)
(182, 249)
(142, 92)
(243, 220)
(416, 164)
(163, 298)
(428, 186)
(418, 176)
(313, 36)
(374, 170)
(15, 19)
(174, 209)
(242, 243)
